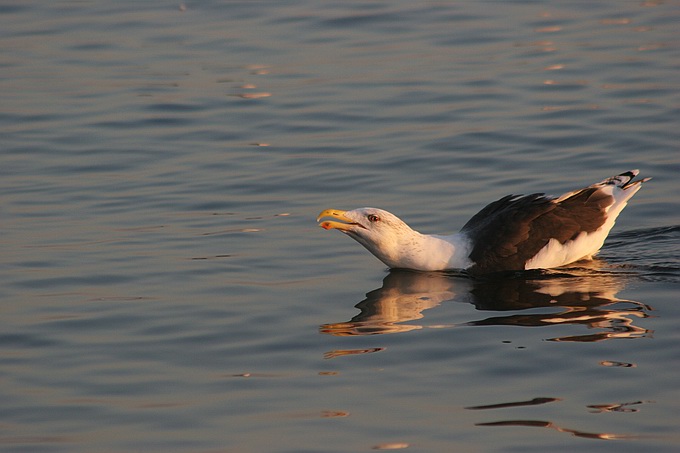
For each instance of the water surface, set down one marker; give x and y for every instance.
(165, 287)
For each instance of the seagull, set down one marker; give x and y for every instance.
(515, 233)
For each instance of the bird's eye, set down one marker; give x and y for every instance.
(373, 218)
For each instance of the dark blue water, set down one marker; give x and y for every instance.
(163, 283)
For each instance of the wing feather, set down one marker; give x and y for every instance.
(510, 231)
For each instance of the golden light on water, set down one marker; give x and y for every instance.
(343, 352)
(391, 446)
(254, 95)
(549, 29)
(622, 21)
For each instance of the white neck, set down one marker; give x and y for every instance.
(425, 252)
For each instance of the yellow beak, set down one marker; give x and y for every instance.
(344, 223)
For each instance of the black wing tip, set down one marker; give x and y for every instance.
(631, 175)
(625, 179)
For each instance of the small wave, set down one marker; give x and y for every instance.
(664, 232)
(653, 254)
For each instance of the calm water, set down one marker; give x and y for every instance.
(164, 286)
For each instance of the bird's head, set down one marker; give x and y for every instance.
(384, 235)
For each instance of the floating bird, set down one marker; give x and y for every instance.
(517, 232)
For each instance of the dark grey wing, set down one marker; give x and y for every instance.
(509, 232)
(500, 232)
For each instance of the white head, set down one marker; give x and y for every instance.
(384, 235)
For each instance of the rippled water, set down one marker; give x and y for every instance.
(164, 284)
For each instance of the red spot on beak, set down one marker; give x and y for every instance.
(325, 225)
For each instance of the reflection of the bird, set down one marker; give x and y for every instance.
(402, 298)
(547, 424)
(618, 407)
(574, 296)
(615, 407)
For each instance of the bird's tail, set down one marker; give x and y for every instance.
(623, 181)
